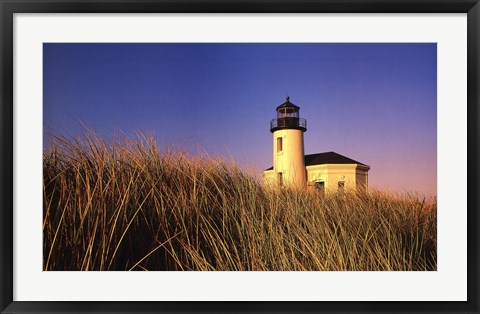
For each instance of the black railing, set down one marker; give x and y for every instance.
(288, 123)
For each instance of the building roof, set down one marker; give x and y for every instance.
(326, 158)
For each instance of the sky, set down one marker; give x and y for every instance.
(375, 103)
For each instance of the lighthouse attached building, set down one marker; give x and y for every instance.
(291, 167)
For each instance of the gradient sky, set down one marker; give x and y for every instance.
(375, 103)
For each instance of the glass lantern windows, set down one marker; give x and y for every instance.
(287, 112)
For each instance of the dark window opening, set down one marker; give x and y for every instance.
(320, 186)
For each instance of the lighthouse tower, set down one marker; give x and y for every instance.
(288, 150)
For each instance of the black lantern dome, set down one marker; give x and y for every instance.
(288, 118)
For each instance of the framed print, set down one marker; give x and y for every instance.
(239, 157)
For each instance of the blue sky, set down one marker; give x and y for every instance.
(375, 103)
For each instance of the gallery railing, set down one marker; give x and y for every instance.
(288, 123)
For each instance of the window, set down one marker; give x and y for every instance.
(341, 187)
(280, 179)
(320, 187)
(279, 144)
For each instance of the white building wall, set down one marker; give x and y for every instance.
(290, 161)
(354, 177)
(269, 177)
(332, 174)
(362, 178)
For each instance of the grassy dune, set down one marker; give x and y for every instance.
(130, 204)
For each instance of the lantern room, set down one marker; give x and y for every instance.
(288, 117)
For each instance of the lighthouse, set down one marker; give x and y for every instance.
(322, 172)
(288, 149)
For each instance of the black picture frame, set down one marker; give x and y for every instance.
(9, 8)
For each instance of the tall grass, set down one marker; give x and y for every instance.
(130, 204)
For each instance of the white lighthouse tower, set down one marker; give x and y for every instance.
(288, 150)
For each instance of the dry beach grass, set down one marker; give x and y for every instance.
(132, 204)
